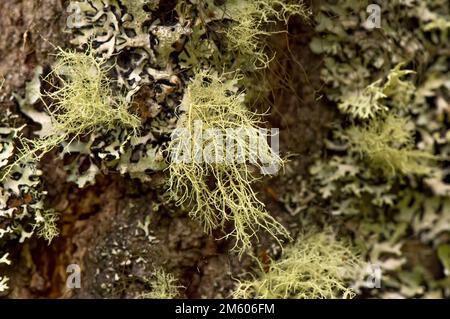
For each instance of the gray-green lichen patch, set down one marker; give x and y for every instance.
(394, 122)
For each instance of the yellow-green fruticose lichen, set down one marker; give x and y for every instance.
(315, 266)
(243, 28)
(81, 101)
(251, 22)
(212, 158)
(388, 144)
(163, 285)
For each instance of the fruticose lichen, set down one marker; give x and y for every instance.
(315, 266)
(81, 102)
(388, 144)
(251, 22)
(217, 128)
(163, 285)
